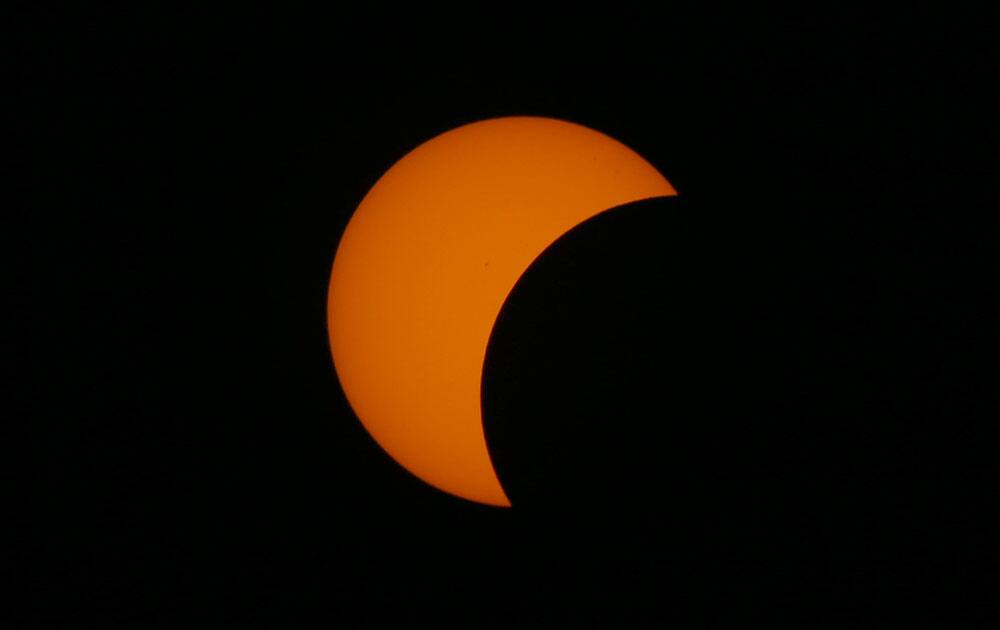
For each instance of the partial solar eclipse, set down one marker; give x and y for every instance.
(427, 261)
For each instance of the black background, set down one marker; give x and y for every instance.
(762, 400)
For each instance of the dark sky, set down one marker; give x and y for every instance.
(762, 400)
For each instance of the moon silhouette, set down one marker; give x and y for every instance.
(426, 262)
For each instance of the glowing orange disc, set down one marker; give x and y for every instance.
(427, 261)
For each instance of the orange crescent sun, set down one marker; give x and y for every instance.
(428, 259)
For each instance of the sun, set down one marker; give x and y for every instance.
(428, 259)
